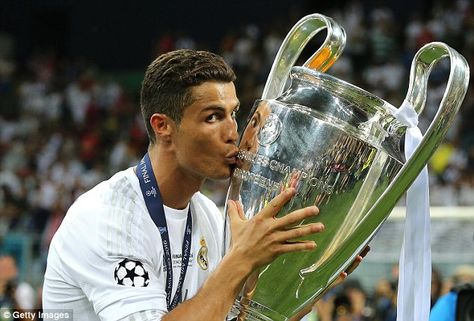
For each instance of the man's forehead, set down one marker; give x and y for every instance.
(213, 91)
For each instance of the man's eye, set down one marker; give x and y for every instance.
(212, 118)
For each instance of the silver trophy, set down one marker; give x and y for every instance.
(339, 146)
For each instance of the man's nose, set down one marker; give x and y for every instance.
(232, 135)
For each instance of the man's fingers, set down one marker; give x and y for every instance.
(300, 231)
(365, 251)
(354, 264)
(297, 216)
(299, 246)
(357, 260)
(234, 211)
(240, 210)
(276, 204)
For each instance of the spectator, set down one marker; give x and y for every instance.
(445, 307)
(14, 295)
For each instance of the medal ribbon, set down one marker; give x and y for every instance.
(414, 282)
(154, 204)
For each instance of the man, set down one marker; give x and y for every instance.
(112, 256)
(8, 273)
(14, 295)
(449, 307)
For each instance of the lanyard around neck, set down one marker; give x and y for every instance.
(154, 204)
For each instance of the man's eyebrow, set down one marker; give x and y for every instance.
(219, 107)
(213, 107)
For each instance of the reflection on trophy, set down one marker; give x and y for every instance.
(339, 146)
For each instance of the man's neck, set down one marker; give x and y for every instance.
(176, 185)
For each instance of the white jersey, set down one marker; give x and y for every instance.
(106, 260)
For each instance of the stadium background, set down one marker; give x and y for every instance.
(70, 72)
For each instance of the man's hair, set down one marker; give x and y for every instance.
(166, 88)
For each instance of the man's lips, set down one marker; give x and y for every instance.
(231, 157)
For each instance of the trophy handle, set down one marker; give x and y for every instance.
(453, 97)
(295, 41)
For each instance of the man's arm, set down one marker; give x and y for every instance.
(255, 242)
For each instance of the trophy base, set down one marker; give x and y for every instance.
(253, 311)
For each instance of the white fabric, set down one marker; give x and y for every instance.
(111, 223)
(148, 315)
(414, 283)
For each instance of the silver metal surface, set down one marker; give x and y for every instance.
(340, 147)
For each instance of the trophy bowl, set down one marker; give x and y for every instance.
(339, 146)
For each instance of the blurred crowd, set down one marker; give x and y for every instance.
(350, 301)
(65, 125)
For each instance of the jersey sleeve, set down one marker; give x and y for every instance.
(147, 315)
(112, 253)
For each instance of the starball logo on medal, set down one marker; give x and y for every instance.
(202, 258)
(270, 131)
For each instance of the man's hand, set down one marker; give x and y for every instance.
(255, 242)
(264, 237)
(351, 267)
(325, 306)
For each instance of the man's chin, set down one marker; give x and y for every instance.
(223, 175)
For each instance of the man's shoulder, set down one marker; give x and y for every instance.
(108, 220)
(118, 190)
(107, 206)
(207, 208)
(205, 202)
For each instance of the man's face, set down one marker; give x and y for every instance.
(205, 139)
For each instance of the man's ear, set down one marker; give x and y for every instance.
(162, 127)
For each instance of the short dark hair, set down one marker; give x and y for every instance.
(166, 88)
